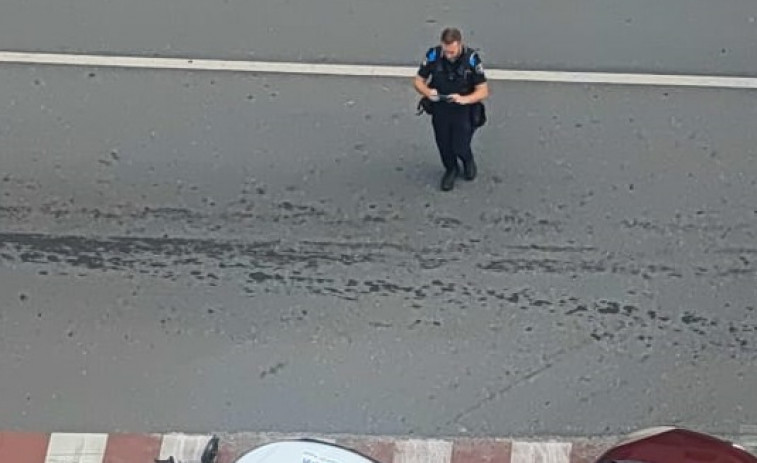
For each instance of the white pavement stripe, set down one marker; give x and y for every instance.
(423, 451)
(748, 437)
(76, 448)
(540, 452)
(667, 80)
(183, 447)
(206, 65)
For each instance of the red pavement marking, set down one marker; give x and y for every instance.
(481, 451)
(226, 454)
(23, 447)
(132, 448)
(381, 450)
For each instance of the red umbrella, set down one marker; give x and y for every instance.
(675, 445)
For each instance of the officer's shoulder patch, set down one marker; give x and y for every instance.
(431, 55)
(474, 60)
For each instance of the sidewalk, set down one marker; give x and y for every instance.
(21, 447)
(17, 447)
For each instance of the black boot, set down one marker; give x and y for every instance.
(469, 170)
(448, 181)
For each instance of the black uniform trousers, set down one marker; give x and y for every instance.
(453, 132)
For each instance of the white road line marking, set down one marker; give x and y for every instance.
(540, 452)
(423, 451)
(76, 448)
(206, 64)
(183, 447)
(667, 80)
(748, 437)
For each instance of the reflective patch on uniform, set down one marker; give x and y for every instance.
(480, 68)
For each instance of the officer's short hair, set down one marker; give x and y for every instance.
(451, 34)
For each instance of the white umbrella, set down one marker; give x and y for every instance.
(302, 451)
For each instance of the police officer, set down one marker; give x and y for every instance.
(455, 70)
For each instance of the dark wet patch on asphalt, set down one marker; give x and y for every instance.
(586, 266)
(322, 268)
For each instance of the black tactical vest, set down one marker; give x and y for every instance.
(457, 77)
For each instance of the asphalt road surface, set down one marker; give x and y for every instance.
(199, 251)
(674, 36)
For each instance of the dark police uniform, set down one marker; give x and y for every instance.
(452, 121)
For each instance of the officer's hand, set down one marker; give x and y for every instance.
(459, 99)
(433, 95)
